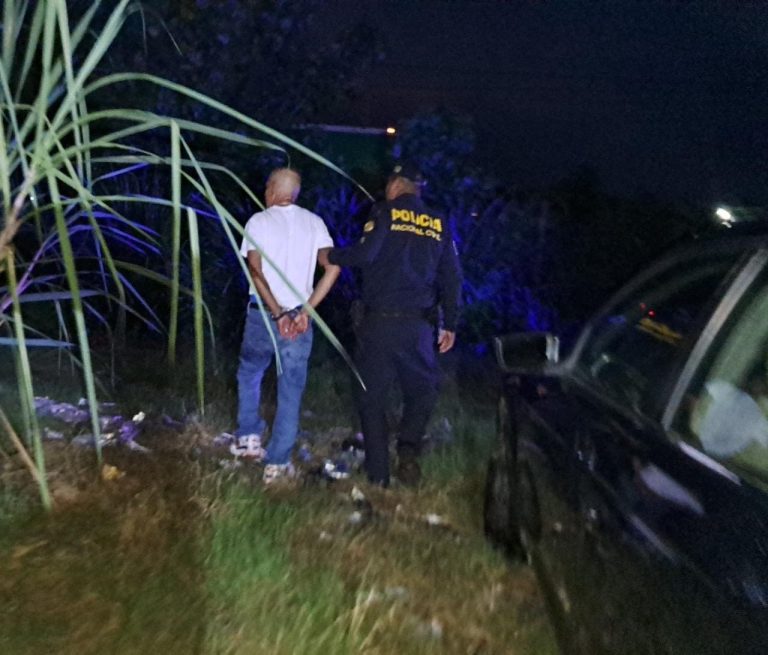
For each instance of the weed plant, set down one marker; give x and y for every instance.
(74, 250)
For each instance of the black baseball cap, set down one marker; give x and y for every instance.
(408, 170)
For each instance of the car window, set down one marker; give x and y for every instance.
(634, 347)
(725, 412)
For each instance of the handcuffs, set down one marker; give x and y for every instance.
(290, 313)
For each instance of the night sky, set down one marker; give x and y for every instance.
(658, 97)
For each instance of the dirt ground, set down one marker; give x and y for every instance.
(117, 548)
(119, 564)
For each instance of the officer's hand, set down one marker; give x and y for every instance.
(445, 340)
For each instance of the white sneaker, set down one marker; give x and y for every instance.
(278, 472)
(248, 446)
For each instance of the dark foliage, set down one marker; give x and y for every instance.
(533, 259)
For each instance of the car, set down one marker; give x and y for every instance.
(633, 473)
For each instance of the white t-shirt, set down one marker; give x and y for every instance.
(290, 237)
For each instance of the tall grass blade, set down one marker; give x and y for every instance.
(86, 199)
(173, 321)
(9, 42)
(66, 58)
(116, 78)
(98, 49)
(33, 40)
(26, 388)
(47, 79)
(11, 16)
(205, 188)
(35, 343)
(197, 289)
(34, 469)
(68, 260)
(5, 170)
(19, 150)
(55, 63)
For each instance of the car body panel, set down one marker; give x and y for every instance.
(645, 544)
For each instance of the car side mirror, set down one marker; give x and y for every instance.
(526, 351)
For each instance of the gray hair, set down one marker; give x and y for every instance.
(285, 183)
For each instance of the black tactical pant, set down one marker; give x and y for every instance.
(395, 349)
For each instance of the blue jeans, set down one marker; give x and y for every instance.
(256, 354)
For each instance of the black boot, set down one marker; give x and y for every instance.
(408, 470)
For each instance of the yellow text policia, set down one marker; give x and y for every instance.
(423, 225)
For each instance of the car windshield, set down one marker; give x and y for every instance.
(634, 347)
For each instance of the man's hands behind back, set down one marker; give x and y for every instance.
(290, 327)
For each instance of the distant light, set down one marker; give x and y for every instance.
(725, 216)
(391, 130)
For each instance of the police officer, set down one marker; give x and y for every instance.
(409, 269)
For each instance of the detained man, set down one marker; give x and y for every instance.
(282, 244)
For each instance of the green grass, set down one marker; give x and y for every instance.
(289, 573)
(262, 600)
(178, 557)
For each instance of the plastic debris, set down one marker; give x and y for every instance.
(128, 431)
(335, 470)
(65, 412)
(113, 426)
(347, 462)
(137, 447)
(170, 422)
(52, 435)
(354, 447)
(110, 423)
(357, 495)
(87, 440)
(325, 536)
(104, 406)
(355, 518)
(110, 473)
(434, 519)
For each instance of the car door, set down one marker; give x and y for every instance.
(719, 413)
(643, 500)
(548, 504)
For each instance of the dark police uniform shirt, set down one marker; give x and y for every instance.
(408, 260)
